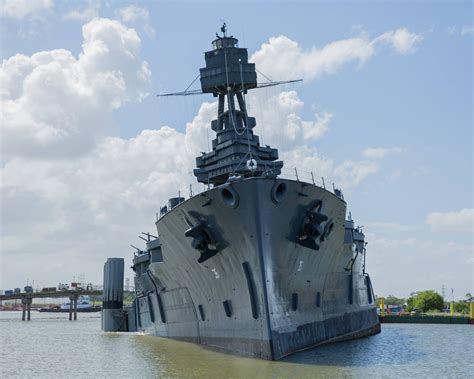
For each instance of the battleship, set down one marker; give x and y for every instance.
(257, 264)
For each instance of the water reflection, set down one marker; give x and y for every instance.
(394, 346)
(400, 350)
(179, 359)
(44, 348)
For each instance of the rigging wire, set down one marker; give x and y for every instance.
(196, 78)
(265, 76)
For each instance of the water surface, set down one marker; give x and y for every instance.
(52, 346)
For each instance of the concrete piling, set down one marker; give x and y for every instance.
(70, 308)
(75, 308)
(23, 309)
(28, 305)
(26, 300)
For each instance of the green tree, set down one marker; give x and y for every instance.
(461, 307)
(392, 300)
(425, 301)
(411, 303)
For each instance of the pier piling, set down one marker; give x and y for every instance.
(75, 308)
(70, 307)
(28, 308)
(23, 309)
(26, 299)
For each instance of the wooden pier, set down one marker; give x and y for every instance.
(27, 298)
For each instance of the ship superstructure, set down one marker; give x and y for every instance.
(256, 265)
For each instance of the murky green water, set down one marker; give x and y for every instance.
(52, 346)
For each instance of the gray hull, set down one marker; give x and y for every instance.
(263, 294)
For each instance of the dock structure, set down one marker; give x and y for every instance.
(26, 308)
(427, 318)
(27, 298)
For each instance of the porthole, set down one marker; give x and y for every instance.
(229, 196)
(279, 192)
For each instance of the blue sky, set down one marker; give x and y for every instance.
(412, 104)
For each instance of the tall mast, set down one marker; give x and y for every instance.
(236, 150)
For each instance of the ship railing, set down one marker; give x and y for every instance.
(303, 176)
(286, 173)
(310, 177)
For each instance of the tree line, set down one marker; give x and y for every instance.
(426, 301)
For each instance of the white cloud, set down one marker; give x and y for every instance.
(279, 120)
(387, 227)
(110, 194)
(19, 9)
(280, 124)
(345, 175)
(101, 200)
(451, 30)
(282, 58)
(417, 256)
(86, 13)
(462, 220)
(134, 14)
(380, 152)
(379, 242)
(467, 30)
(464, 30)
(402, 40)
(349, 174)
(316, 129)
(55, 104)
